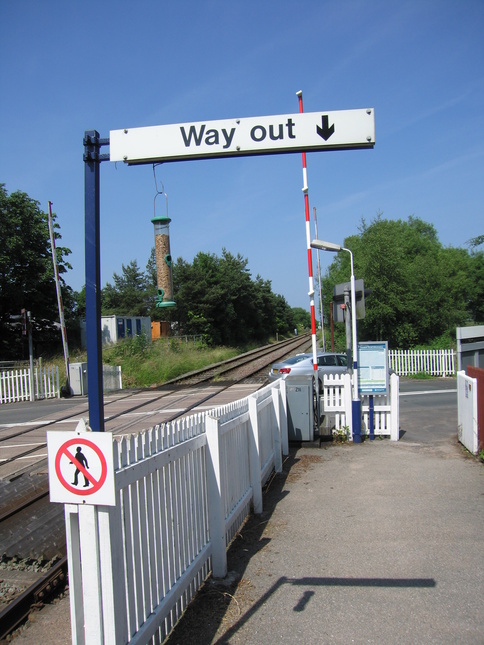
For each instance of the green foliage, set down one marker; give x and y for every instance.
(129, 295)
(475, 303)
(302, 318)
(342, 435)
(420, 290)
(144, 364)
(216, 297)
(445, 341)
(27, 275)
(136, 347)
(476, 241)
(420, 376)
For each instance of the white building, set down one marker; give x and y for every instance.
(116, 327)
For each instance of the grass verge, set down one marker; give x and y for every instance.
(145, 364)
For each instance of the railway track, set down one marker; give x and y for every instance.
(232, 371)
(268, 354)
(46, 587)
(30, 503)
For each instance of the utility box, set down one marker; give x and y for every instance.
(78, 378)
(302, 408)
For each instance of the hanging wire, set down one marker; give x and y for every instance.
(158, 191)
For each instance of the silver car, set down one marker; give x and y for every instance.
(302, 365)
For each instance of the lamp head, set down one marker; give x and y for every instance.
(325, 246)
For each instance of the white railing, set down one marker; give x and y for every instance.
(192, 338)
(112, 379)
(437, 362)
(17, 385)
(467, 427)
(183, 490)
(336, 402)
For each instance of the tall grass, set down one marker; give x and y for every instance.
(145, 364)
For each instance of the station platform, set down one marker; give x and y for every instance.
(379, 542)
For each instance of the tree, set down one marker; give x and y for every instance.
(419, 289)
(129, 293)
(475, 304)
(218, 298)
(301, 317)
(476, 241)
(79, 303)
(215, 297)
(27, 274)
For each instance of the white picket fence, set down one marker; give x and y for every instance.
(15, 385)
(183, 490)
(467, 417)
(437, 362)
(337, 402)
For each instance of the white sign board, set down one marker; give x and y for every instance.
(373, 367)
(81, 467)
(344, 129)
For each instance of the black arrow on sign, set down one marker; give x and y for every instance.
(325, 131)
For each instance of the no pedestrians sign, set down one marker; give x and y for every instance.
(81, 468)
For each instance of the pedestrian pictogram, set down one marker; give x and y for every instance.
(80, 458)
(79, 461)
(81, 468)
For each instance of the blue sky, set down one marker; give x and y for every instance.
(68, 67)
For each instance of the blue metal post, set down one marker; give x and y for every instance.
(356, 419)
(372, 418)
(93, 281)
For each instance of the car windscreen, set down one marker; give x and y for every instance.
(295, 359)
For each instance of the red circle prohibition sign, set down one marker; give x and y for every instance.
(96, 484)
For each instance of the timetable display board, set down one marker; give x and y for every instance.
(373, 367)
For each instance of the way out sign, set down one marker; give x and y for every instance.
(81, 468)
(308, 131)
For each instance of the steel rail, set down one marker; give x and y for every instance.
(25, 504)
(54, 580)
(174, 381)
(18, 610)
(203, 374)
(261, 351)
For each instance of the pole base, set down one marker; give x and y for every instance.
(356, 419)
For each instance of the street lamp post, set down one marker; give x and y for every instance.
(356, 403)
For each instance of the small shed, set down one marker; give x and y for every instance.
(117, 327)
(160, 329)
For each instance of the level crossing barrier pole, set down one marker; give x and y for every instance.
(308, 243)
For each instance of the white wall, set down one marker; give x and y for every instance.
(112, 325)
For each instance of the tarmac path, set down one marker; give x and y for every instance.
(379, 542)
